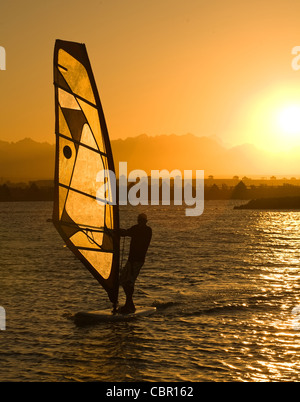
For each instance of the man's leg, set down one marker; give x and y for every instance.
(129, 275)
(128, 287)
(129, 290)
(129, 306)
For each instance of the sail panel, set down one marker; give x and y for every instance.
(63, 126)
(67, 100)
(83, 209)
(75, 75)
(87, 137)
(91, 115)
(67, 161)
(87, 165)
(88, 239)
(82, 150)
(99, 260)
(75, 120)
(62, 193)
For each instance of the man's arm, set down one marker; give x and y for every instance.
(149, 237)
(125, 232)
(119, 232)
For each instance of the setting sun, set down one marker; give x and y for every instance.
(289, 120)
(270, 120)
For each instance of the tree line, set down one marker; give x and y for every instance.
(34, 192)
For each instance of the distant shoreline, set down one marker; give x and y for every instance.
(259, 196)
(278, 203)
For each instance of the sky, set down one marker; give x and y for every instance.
(211, 68)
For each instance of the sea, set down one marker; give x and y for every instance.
(225, 284)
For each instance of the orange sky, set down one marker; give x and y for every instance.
(162, 66)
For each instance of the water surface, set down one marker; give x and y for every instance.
(224, 284)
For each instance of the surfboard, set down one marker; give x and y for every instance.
(89, 317)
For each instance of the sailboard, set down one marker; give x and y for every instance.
(82, 150)
(87, 317)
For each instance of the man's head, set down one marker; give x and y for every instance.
(142, 219)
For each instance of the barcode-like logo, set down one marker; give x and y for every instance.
(2, 58)
(2, 319)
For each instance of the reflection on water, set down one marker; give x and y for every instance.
(225, 285)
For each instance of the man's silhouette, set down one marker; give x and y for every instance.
(140, 239)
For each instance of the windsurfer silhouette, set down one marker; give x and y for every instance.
(140, 239)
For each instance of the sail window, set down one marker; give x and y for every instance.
(67, 152)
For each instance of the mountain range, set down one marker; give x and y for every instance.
(30, 160)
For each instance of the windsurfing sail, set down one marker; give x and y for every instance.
(82, 151)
